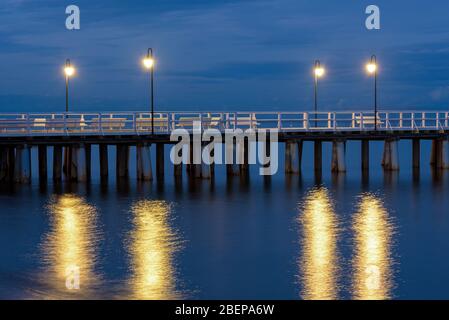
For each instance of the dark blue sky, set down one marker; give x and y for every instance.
(227, 55)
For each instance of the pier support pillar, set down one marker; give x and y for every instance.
(232, 169)
(416, 146)
(445, 154)
(338, 156)
(57, 163)
(79, 163)
(189, 165)
(104, 161)
(390, 160)
(3, 163)
(7, 162)
(42, 155)
(293, 156)
(318, 156)
(365, 155)
(177, 168)
(67, 165)
(243, 155)
(22, 168)
(440, 154)
(160, 161)
(122, 161)
(88, 151)
(143, 162)
(207, 169)
(196, 171)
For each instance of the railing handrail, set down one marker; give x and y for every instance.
(136, 122)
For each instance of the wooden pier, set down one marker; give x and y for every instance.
(72, 135)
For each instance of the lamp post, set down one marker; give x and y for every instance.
(148, 63)
(371, 68)
(69, 71)
(318, 73)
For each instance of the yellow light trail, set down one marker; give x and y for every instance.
(319, 260)
(372, 264)
(152, 246)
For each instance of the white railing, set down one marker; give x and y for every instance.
(110, 123)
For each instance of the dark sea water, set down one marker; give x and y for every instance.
(288, 237)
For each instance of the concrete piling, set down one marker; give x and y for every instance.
(42, 161)
(207, 169)
(416, 147)
(57, 163)
(390, 160)
(122, 162)
(232, 168)
(67, 165)
(143, 162)
(318, 156)
(22, 168)
(80, 163)
(7, 162)
(338, 156)
(104, 161)
(439, 158)
(293, 156)
(365, 155)
(160, 161)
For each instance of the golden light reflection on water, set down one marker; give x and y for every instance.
(372, 263)
(152, 245)
(319, 261)
(69, 248)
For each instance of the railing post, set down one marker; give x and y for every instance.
(362, 127)
(437, 121)
(235, 120)
(413, 120)
(329, 120)
(27, 117)
(353, 120)
(279, 121)
(82, 122)
(100, 129)
(335, 121)
(306, 120)
(423, 120)
(400, 120)
(65, 123)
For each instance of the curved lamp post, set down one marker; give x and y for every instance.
(318, 72)
(148, 63)
(371, 68)
(69, 71)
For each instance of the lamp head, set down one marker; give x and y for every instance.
(69, 70)
(371, 67)
(319, 71)
(148, 62)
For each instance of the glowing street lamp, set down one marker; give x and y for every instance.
(319, 72)
(371, 68)
(148, 63)
(69, 71)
